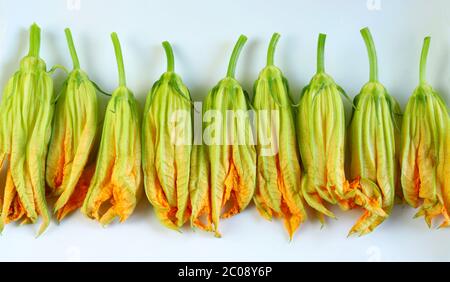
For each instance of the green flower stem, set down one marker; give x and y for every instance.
(365, 32)
(73, 52)
(321, 53)
(423, 59)
(235, 55)
(272, 46)
(35, 40)
(119, 58)
(169, 55)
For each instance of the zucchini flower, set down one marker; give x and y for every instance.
(373, 140)
(229, 153)
(321, 133)
(26, 116)
(117, 181)
(74, 131)
(423, 140)
(167, 142)
(278, 160)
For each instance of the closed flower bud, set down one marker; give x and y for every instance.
(278, 160)
(74, 131)
(229, 153)
(373, 139)
(166, 146)
(117, 182)
(26, 115)
(423, 150)
(321, 133)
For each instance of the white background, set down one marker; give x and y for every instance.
(203, 33)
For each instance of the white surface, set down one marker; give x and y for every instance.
(203, 33)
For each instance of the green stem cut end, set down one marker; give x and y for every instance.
(321, 53)
(35, 40)
(367, 36)
(235, 55)
(119, 58)
(271, 50)
(73, 51)
(169, 55)
(423, 59)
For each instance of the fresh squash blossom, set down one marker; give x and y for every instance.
(166, 146)
(423, 150)
(116, 185)
(278, 160)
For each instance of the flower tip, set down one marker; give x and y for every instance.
(291, 236)
(444, 224)
(418, 214)
(350, 233)
(41, 230)
(429, 223)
